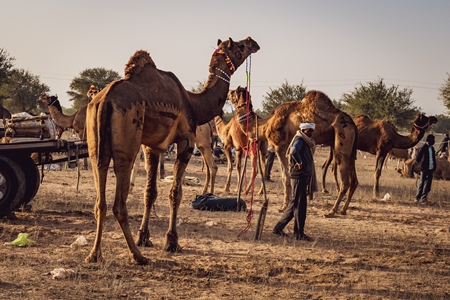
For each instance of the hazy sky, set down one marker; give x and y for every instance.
(332, 46)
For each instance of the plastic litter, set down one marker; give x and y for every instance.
(22, 240)
(61, 273)
(80, 241)
(210, 223)
(387, 197)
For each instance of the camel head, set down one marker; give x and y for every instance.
(48, 100)
(238, 98)
(234, 53)
(422, 122)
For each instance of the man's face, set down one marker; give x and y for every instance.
(431, 141)
(308, 132)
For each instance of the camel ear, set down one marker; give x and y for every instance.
(219, 41)
(230, 42)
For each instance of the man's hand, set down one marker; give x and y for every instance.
(297, 166)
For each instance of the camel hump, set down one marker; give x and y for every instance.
(137, 62)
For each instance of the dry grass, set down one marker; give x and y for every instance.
(392, 249)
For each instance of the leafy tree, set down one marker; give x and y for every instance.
(6, 65)
(280, 95)
(445, 93)
(99, 77)
(381, 102)
(22, 91)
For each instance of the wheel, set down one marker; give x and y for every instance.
(32, 178)
(12, 186)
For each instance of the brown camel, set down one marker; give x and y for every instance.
(378, 137)
(442, 169)
(401, 155)
(76, 121)
(4, 114)
(232, 137)
(151, 107)
(332, 127)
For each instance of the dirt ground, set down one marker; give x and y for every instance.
(382, 249)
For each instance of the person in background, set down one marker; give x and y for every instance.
(443, 148)
(426, 158)
(301, 162)
(270, 157)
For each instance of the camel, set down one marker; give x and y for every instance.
(76, 121)
(151, 107)
(442, 169)
(232, 137)
(333, 127)
(401, 155)
(378, 137)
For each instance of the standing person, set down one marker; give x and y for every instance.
(300, 153)
(426, 157)
(443, 148)
(270, 157)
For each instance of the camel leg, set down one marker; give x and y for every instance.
(100, 174)
(229, 157)
(378, 168)
(281, 154)
(136, 165)
(325, 166)
(262, 157)
(345, 183)
(150, 195)
(212, 169)
(183, 156)
(207, 177)
(122, 169)
(353, 180)
(238, 168)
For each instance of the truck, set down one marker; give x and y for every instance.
(22, 139)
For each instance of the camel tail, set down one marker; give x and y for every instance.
(103, 115)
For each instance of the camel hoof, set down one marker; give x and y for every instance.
(342, 212)
(325, 192)
(144, 239)
(172, 243)
(93, 258)
(329, 215)
(172, 248)
(141, 260)
(282, 208)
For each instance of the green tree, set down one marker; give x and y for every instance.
(381, 102)
(99, 77)
(6, 65)
(280, 95)
(445, 93)
(22, 92)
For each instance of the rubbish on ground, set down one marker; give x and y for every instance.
(80, 241)
(22, 240)
(61, 273)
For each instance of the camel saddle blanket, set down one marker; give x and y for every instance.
(214, 203)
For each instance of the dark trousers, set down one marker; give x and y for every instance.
(426, 177)
(270, 157)
(296, 208)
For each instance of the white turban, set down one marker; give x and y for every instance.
(307, 125)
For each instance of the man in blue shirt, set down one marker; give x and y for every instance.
(426, 157)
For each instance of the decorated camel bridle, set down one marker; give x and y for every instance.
(229, 64)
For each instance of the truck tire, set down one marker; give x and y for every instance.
(32, 178)
(12, 186)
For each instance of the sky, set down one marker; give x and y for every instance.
(333, 46)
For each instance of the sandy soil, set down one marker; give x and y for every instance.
(382, 249)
